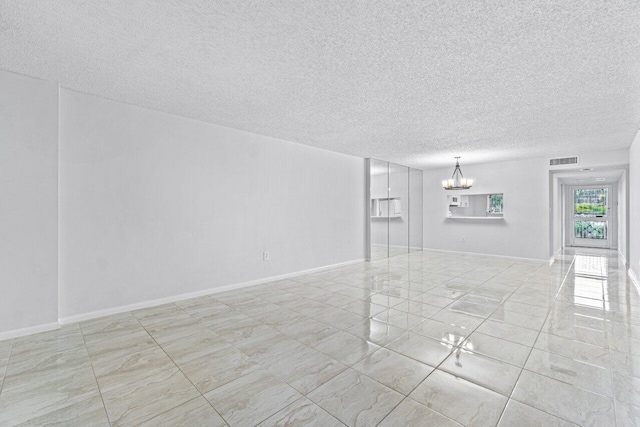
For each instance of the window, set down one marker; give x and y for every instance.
(494, 204)
(590, 201)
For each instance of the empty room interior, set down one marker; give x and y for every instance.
(230, 213)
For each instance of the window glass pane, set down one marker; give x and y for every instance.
(591, 229)
(590, 201)
(495, 203)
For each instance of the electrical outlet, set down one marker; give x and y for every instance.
(463, 239)
(265, 256)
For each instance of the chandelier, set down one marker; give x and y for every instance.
(457, 180)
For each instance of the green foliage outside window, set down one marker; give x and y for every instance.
(495, 203)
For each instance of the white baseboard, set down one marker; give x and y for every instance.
(182, 297)
(16, 333)
(515, 258)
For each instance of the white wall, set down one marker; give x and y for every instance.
(526, 200)
(28, 208)
(634, 206)
(154, 205)
(529, 228)
(623, 215)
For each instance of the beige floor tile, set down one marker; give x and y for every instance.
(196, 412)
(345, 348)
(32, 400)
(89, 413)
(110, 328)
(421, 348)
(441, 331)
(626, 389)
(167, 332)
(519, 414)
(485, 371)
(398, 318)
(193, 347)
(355, 399)
(627, 415)
(456, 318)
(465, 402)
(305, 369)
(134, 342)
(411, 413)
(217, 369)
(302, 412)
(506, 331)
(496, 348)
(591, 354)
(47, 342)
(563, 400)
(518, 319)
(570, 371)
(297, 336)
(145, 398)
(252, 398)
(303, 326)
(117, 372)
(41, 366)
(363, 308)
(375, 331)
(394, 370)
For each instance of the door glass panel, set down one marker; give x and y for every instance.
(590, 202)
(591, 229)
(415, 210)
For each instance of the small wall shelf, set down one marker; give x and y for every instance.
(483, 218)
(484, 207)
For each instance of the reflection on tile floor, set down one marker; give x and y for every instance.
(418, 339)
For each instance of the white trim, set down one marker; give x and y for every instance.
(182, 297)
(489, 255)
(16, 333)
(553, 257)
(634, 278)
(623, 258)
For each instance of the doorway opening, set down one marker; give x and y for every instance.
(591, 218)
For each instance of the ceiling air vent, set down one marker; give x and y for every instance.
(563, 161)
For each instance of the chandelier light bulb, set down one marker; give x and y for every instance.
(457, 180)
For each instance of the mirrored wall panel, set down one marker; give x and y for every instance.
(395, 209)
(415, 210)
(379, 209)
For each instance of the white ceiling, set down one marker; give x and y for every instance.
(415, 82)
(597, 176)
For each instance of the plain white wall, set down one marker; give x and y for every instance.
(524, 230)
(623, 215)
(28, 209)
(634, 206)
(154, 205)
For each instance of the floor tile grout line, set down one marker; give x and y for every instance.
(302, 395)
(179, 369)
(6, 368)
(436, 368)
(566, 275)
(512, 291)
(95, 378)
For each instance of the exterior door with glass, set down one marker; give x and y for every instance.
(591, 216)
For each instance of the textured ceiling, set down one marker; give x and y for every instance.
(415, 82)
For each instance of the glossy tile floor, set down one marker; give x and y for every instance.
(419, 339)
